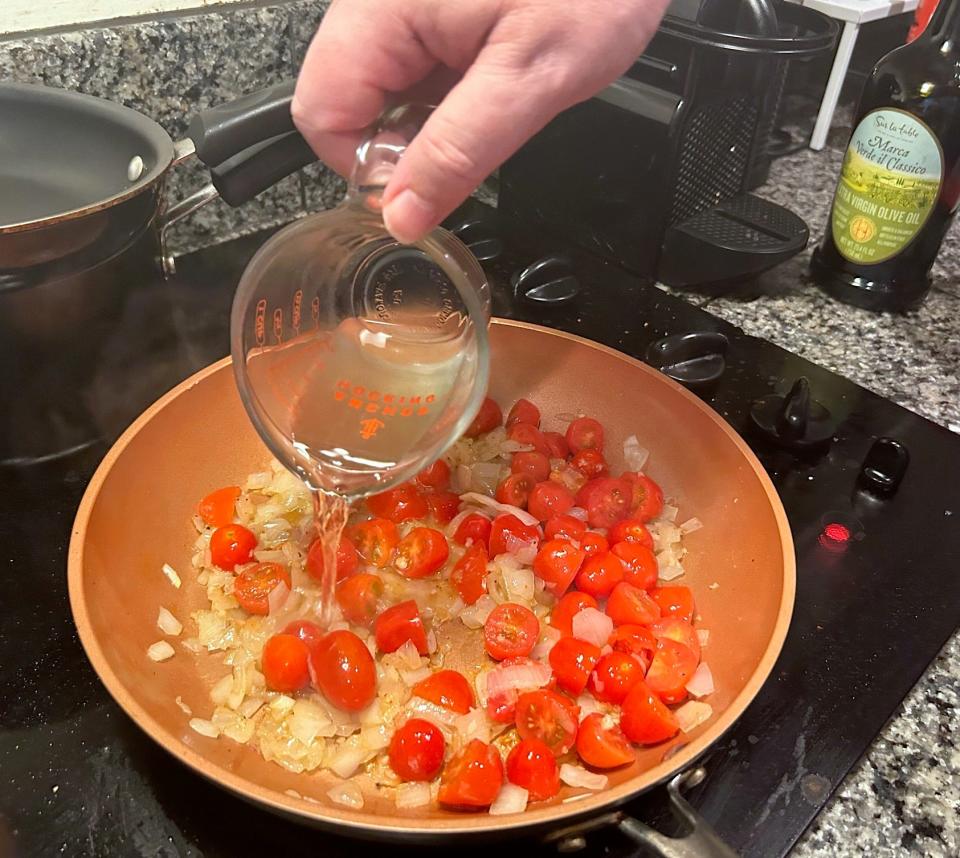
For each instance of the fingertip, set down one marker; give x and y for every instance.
(408, 217)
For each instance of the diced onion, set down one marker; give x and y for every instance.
(703, 635)
(701, 683)
(473, 725)
(474, 616)
(168, 623)
(460, 479)
(171, 574)
(578, 513)
(588, 704)
(183, 706)
(691, 525)
(592, 626)
(269, 555)
(282, 704)
(250, 706)
(159, 651)
(510, 799)
(410, 795)
(407, 656)
(204, 728)
(546, 643)
(439, 715)
(431, 641)
(509, 447)
(259, 480)
(412, 677)
(577, 776)
(669, 513)
(525, 550)
(347, 794)
(634, 456)
(277, 598)
(565, 417)
(484, 477)
(347, 760)
(517, 677)
(669, 572)
(221, 690)
(307, 721)
(692, 714)
(502, 508)
(518, 581)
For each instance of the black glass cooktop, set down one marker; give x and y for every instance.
(876, 596)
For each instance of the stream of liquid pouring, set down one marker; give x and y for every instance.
(330, 513)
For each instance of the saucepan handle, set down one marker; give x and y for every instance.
(700, 840)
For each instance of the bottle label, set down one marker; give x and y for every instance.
(889, 183)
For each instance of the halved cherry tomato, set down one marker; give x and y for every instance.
(646, 501)
(631, 530)
(572, 661)
(358, 596)
(634, 640)
(602, 747)
(672, 666)
(504, 524)
(343, 671)
(435, 476)
(675, 602)
(593, 543)
(515, 490)
(488, 417)
(310, 633)
(421, 553)
(629, 604)
(613, 677)
(473, 777)
(284, 663)
(231, 545)
(446, 688)
(532, 765)
(474, 527)
(535, 465)
(549, 717)
(559, 449)
(549, 499)
(640, 566)
(347, 559)
(524, 433)
(443, 506)
(590, 463)
(677, 630)
(469, 575)
(510, 631)
(600, 574)
(375, 541)
(524, 411)
(416, 750)
(564, 527)
(252, 587)
(400, 504)
(556, 564)
(217, 508)
(607, 501)
(399, 624)
(643, 717)
(502, 707)
(584, 433)
(561, 617)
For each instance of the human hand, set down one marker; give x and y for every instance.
(502, 69)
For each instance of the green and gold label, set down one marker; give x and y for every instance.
(888, 185)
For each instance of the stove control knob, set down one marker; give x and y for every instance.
(795, 421)
(696, 360)
(884, 467)
(480, 236)
(548, 282)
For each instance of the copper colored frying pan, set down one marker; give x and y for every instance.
(198, 437)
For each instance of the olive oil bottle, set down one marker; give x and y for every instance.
(900, 180)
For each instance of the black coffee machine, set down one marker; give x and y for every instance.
(653, 172)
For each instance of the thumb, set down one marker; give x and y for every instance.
(483, 120)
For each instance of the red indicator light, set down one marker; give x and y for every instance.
(837, 532)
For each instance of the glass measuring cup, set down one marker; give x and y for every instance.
(359, 359)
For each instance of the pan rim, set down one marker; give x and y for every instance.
(151, 130)
(353, 823)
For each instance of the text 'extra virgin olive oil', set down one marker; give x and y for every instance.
(900, 179)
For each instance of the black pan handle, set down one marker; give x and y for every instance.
(244, 175)
(222, 131)
(700, 841)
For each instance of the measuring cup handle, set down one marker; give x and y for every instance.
(378, 154)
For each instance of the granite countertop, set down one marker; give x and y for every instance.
(903, 798)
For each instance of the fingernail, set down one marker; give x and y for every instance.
(408, 217)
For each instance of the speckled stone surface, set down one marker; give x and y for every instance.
(171, 68)
(903, 799)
